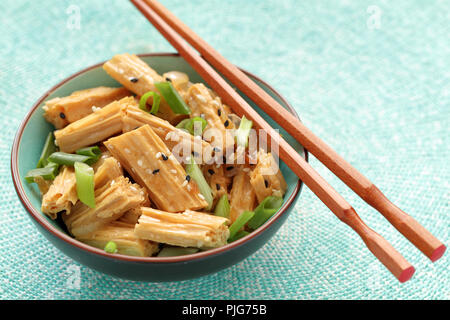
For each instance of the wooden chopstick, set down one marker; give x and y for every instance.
(409, 227)
(382, 249)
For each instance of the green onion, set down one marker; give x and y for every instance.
(176, 251)
(49, 148)
(155, 105)
(193, 129)
(49, 172)
(222, 207)
(195, 173)
(240, 222)
(93, 152)
(238, 235)
(173, 98)
(243, 132)
(67, 159)
(182, 123)
(85, 183)
(265, 210)
(111, 247)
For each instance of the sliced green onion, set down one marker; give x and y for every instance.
(173, 98)
(193, 128)
(67, 159)
(195, 173)
(176, 251)
(222, 208)
(49, 172)
(93, 152)
(111, 247)
(49, 148)
(240, 222)
(238, 235)
(85, 183)
(182, 124)
(243, 132)
(155, 105)
(265, 210)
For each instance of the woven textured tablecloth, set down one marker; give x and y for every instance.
(369, 77)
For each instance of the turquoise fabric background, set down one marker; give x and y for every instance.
(379, 93)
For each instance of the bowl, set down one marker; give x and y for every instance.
(26, 151)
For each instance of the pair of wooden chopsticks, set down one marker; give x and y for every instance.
(179, 35)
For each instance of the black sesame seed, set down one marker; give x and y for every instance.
(188, 178)
(195, 154)
(155, 171)
(230, 168)
(164, 157)
(226, 123)
(134, 80)
(62, 115)
(216, 149)
(168, 80)
(211, 171)
(219, 112)
(266, 183)
(217, 186)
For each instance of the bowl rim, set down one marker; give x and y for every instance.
(42, 220)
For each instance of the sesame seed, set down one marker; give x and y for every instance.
(62, 115)
(226, 123)
(229, 168)
(189, 187)
(201, 196)
(158, 155)
(165, 158)
(184, 183)
(188, 178)
(195, 154)
(219, 112)
(216, 149)
(127, 150)
(217, 186)
(201, 98)
(148, 171)
(173, 171)
(168, 80)
(139, 162)
(133, 188)
(155, 171)
(112, 182)
(246, 169)
(134, 80)
(211, 171)
(266, 183)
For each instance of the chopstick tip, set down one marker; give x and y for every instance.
(438, 253)
(406, 274)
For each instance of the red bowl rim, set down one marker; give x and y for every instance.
(42, 220)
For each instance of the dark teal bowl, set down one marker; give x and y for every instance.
(25, 154)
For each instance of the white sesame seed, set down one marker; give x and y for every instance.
(201, 196)
(56, 142)
(201, 98)
(189, 187)
(172, 157)
(127, 150)
(112, 182)
(139, 162)
(133, 188)
(246, 169)
(184, 183)
(173, 171)
(158, 155)
(132, 169)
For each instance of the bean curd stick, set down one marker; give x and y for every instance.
(111, 202)
(187, 229)
(148, 160)
(138, 77)
(63, 111)
(122, 234)
(94, 128)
